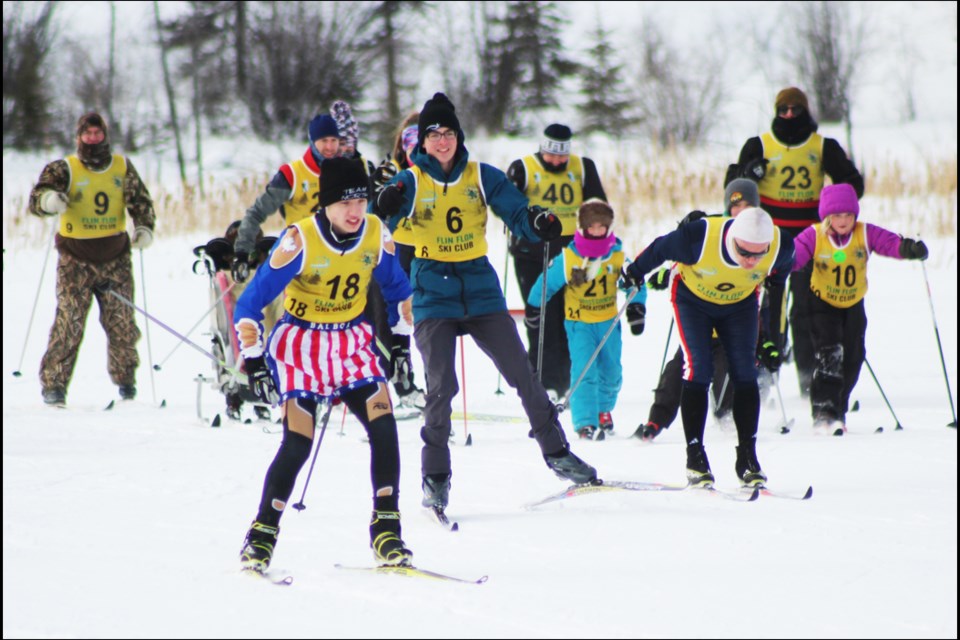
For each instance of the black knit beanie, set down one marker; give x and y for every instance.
(437, 112)
(342, 179)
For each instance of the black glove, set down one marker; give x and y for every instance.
(545, 223)
(260, 380)
(400, 364)
(913, 249)
(390, 200)
(636, 317)
(755, 169)
(240, 268)
(629, 280)
(768, 353)
(384, 174)
(660, 280)
(531, 317)
(693, 216)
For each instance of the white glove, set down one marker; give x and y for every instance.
(142, 238)
(54, 202)
(404, 326)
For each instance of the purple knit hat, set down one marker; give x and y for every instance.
(838, 198)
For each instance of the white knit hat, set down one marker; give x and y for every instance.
(752, 225)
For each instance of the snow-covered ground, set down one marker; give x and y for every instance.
(127, 523)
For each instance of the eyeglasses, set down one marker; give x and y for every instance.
(449, 134)
(750, 254)
(795, 108)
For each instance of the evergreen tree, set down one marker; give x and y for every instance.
(606, 108)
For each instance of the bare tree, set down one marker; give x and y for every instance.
(28, 39)
(171, 96)
(828, 51)
(678, 96)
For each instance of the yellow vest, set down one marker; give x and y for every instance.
(96, 208)
(595, 300)
(305, 196)
(562, 193)
(449, 220)
(332, 287)
(403, 234)
(712, 279)
(794, 176)
(840, 273)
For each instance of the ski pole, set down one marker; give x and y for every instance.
(463, 390)
(666, 347)
(785, 427)
(299, 506)
(631, 294)
(240, 376)
(159, 366)
(506, 269)
(936, 332)
(543, 311)
(36, 299)
(143, 287)
(899, 427)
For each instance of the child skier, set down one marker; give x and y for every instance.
(589, 267)
(839, 247)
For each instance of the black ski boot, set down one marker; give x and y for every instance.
(258, 547)
(436, 491)
(388, 548)
(128, 392)
(748, 468)
(698, 467)
(569, 467)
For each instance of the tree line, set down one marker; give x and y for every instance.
(267, 67)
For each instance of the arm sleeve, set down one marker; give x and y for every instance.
(266, 204)
(837, 165)
(752, 149)
(54, 177)
(684, 245)
(592, 187)
(137, 199)
(506, 201)
(883, 242)
(393, 282)
(556, 280)
(776, 285)
(804, 244)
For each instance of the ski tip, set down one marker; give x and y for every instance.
(469, 440)
(878, 430)
(455, 526)
(110, 406)
(163, 403)
(216, 421)
(808, 494)
(754, 494)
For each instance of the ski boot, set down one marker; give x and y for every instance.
(698, 468)
(569, 467)
(128, 391)
(258, 547)
(587, 433)
(388, 548)
(647, 432)
(606, 423)
(436, 491)
(55, 397)
(748, 468)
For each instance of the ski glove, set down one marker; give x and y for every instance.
(383, 175)
(769, 355)
(660, 280)
(240, 268)
(54, 202)
(545, 223)
(636, 317)
(913, 249)
(531, 317)
(755, 169)
(260, 380)
(390, 200)
(693, 216)
(142, 238)
(628, 280)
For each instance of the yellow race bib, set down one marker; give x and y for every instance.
(712, 279)
(840, 273)
(596, 299)
(97, 207)
(305, 196)
(449, 220)
(794, 176)
(560, 192)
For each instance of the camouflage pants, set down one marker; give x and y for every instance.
(77, 283)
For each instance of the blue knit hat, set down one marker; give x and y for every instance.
(323, 126)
